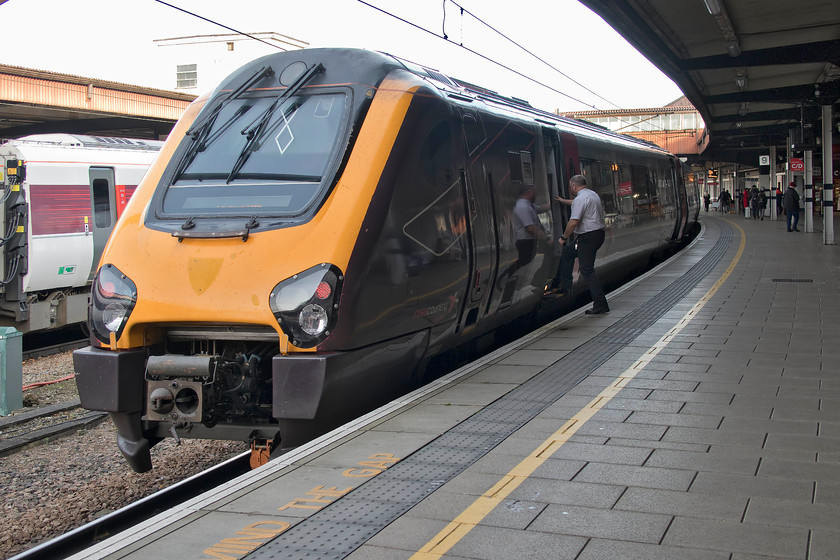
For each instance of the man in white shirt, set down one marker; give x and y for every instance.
(587, 223)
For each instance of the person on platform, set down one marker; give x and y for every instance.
(755, 202)
(706, 201)
(746, 200)
(762, 204)
(779, 208)
(791, 206)
(587, 223)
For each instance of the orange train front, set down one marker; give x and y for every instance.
(323, 225)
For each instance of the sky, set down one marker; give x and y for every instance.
(577, 61)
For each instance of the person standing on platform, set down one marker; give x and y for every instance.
(587, 223)
(755, 203)
(706, 201)
(779, 208)
(746, 198)
(762, 204)
(791, 206)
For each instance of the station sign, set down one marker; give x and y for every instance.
(797, 164)
(763, 160)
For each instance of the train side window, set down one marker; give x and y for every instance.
(641, 189)
(626, 195)
(521, 167)
(101, 203)
(602, 179)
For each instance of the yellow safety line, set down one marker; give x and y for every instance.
(482, 506)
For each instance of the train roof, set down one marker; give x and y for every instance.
(83, 141)
(57, 149)
(455, 87)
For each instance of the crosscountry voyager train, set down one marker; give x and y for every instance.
(323, 225)
(61, 196)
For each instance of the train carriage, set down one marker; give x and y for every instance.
(62, 195)
(324, 224)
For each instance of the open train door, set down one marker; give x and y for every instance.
(103, 211)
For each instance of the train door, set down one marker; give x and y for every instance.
(682, 201)
(103, 209)
(481, 225)
(558, 179)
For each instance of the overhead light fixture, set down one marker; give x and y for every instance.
(741, 81)
(733, 49)
(713, 6)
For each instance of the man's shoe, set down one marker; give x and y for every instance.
(790, 230)
(556, 292)
(794, 229)
(597, 311)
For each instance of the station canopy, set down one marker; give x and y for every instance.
(756, 71)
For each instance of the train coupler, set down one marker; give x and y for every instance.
(261, 452)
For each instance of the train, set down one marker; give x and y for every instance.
(61, 196)
(326, 224)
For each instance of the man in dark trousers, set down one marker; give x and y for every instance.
(587, 223)
(791, 205)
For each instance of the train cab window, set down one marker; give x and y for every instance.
(258, 156)
(101, 203)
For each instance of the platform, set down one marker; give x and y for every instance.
(700, 419)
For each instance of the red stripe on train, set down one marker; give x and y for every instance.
(60, 209)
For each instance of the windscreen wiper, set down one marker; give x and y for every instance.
(255, 130)
(201, 129)
(263, 72)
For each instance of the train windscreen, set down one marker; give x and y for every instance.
(259, 156)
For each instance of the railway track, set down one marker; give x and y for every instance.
(87, 535)
(57, 348)
(44, 424)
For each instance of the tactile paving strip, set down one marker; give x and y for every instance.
(340, 528)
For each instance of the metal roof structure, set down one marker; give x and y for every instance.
(755, 70)
(36, 101)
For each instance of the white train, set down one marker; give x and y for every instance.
(61, 195)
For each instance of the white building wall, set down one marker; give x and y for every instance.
(216, 56)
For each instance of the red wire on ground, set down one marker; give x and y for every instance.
(42, 383)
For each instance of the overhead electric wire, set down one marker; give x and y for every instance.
(463, 10)
(476, 53)
(217, 23)
(446, 38)
(532, 54)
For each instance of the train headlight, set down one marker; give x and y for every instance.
(112, 299)
(313, 319)
(306, 305)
